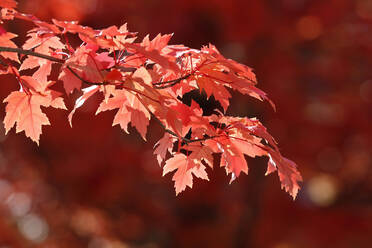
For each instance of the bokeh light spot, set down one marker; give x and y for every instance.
(33, 228)
(322, 190)
(309, 27)
(324, 113)
(19, 204)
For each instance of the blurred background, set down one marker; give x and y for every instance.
(95, 186)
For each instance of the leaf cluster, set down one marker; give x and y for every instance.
(139, 81)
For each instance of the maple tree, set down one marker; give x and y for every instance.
(141, 81)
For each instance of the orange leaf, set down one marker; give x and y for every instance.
(185, 168)
(287, 171)
(25, 110)
(139, 121)
(163, 145)
(5, 41)
(70, 81)
(87, 93)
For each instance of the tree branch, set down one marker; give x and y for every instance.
(82, 79)
(31, 53)
(186, 140)
(162, 85)
(170, 83)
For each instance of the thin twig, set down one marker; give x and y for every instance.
(31, 53)
(170, 83)
(83, 80)
(186, 140)
(125, 69)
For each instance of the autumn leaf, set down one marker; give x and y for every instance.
(87, 93)
(24, 111)
(42, 44)
(200, 152)
(185, 169)
(70, 81)
(5, 41)
(287, 171)
(219, 92)
(162, 146)
(153, 51)
(139, 121)
(117, 101)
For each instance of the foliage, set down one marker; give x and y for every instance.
(141, 81)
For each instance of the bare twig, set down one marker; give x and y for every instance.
(170, 83)
(83, 80)
(31, 53)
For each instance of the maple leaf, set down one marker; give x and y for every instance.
(153, 51)
(87, 93)
(130, 111)
(70, 81)
(219, 92)
(234, 162)
(45, 67)
(232, 156)
(43, 72)
(29, 63)
(185, 169)
(185, 112)
(139, 121)
(200, 152)
(251, 147)
(104, 61)
(122, 118)
(287, 171)
(117, 101)
(5, 41)
(74, 27)
(162, 146)
(42, 43)
(84, 64)
(24, 110)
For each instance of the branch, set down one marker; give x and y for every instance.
(186, 140)
(165, 84)
(83, 80)
(125, 69)
(170, 83)
(31, 53)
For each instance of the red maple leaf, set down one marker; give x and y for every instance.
(5, 41)
(24, 110)
(162, 146)
(185, 169)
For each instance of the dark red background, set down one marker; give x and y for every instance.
(95, 186)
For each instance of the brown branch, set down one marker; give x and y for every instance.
(170, 83)
(83, 80)
(125, 69)
(186, 140)
(31, 53)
